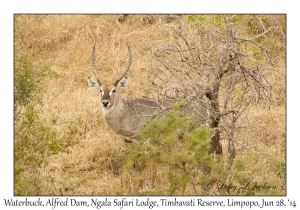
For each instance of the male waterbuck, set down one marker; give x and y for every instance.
(125, 117)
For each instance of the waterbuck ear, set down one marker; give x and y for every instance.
(122, 83)
(92, 83)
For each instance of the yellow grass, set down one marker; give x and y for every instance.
(90, 168)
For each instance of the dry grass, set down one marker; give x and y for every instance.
(91, 168)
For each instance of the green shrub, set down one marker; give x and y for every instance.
(171, 144)
(34, 143)
(29, 72)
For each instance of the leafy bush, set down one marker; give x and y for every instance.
(27, 78)
(34, 143)
(172, 144)
(34, 140)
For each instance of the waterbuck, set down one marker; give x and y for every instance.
(125, 117)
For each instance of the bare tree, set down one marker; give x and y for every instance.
(217, 58)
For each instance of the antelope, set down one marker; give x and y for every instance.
(125, 117)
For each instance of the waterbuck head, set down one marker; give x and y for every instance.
(109, 91)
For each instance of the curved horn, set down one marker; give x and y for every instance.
(125, 70)
(100, 81)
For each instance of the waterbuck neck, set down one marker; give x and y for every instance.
(115, 113)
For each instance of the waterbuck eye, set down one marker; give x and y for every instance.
(114, 90)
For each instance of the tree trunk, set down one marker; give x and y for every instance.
(216, 147)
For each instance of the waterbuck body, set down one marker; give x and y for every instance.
(125, 117)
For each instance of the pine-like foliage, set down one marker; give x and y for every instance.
(173, 144)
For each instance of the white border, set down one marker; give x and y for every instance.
(8, 8)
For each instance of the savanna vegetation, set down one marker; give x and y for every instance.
(62, 145)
